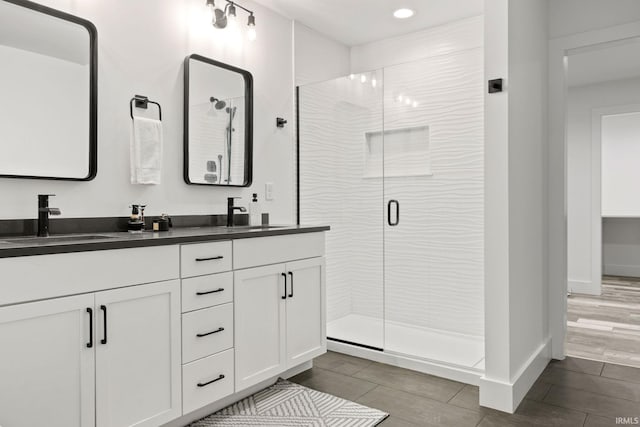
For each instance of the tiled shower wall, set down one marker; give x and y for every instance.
(433, 260)
(334, 117)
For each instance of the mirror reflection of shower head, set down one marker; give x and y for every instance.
(218, 103)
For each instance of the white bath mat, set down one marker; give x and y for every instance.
(286, 404)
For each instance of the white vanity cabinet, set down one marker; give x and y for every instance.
(137, 344)
(142, 336)
(102, 358)
(279, 308)
(47, 375)
(207, 323)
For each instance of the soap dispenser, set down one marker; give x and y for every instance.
(255, 213)
(135, 223)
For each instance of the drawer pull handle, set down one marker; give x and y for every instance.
(291, 276)
(90, 312)
(221, 377)
(104, 324)
(209, 258)
(209, 333)
(284, 296)
(210, 292)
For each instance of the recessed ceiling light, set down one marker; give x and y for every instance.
(403, 13)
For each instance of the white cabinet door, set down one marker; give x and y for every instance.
(259, 324)
(138, 355)
(306, 325)
(46, 367)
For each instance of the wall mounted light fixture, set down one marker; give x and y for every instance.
(222, 17)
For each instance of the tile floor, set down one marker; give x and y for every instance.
(572, 392)
(606, 327)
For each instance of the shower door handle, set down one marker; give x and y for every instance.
(394, 223)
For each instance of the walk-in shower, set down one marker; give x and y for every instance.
(219, 154)
(393, 160)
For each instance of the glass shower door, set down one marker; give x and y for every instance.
(433, 191)
(341, 166)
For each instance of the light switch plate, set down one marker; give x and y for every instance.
(268, 191)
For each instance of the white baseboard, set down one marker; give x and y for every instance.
(585, 287)
(467, 376)
(505, 396)
(222, 403)
(622, 270)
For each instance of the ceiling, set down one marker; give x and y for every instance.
(356, 22)
(605, 62)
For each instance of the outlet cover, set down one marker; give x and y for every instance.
(268, 191)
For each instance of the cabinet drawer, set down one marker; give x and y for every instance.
(215, 327)
(273, 250)
(50, 276)
(207, 291)
(199, 259)
(207, 380)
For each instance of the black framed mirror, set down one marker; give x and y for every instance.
(49, 89)
(218, 123)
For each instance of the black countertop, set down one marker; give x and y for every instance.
(28, 246)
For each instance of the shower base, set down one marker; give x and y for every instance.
(408, 345)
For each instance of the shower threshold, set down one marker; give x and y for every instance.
(450, 348)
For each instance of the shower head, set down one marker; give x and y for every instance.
(218, 103)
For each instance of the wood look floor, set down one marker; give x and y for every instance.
(606, 327)
(573, 392)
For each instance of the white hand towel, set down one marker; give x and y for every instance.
(146, 151)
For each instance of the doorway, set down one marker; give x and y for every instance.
(603, 201)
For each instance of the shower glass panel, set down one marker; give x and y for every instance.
(393, 160)
(342, 185)
(433, 184)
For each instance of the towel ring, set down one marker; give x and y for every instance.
(143, 102)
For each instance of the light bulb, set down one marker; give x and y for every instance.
(400, 98)
(407, 101)
(374, 82)
(211, 5)
(251, 32)
(352, 76)
(363, 78)
(415, 104)
(232, 22)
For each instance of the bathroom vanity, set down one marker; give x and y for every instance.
(124, 329)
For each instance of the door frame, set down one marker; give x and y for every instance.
(557, 172)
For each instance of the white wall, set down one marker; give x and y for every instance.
(142, 46)
(584, 105)
(440, 40)
(517, 344)
(575, 16)
(620, 168)
(318, 58)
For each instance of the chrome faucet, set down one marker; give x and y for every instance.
(43, 214)
(231, 210)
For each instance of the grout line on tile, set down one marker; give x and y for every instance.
(481, 419)
(361, 369)
(454, 396)
(546, 393)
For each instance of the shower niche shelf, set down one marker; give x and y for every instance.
(398, 152)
